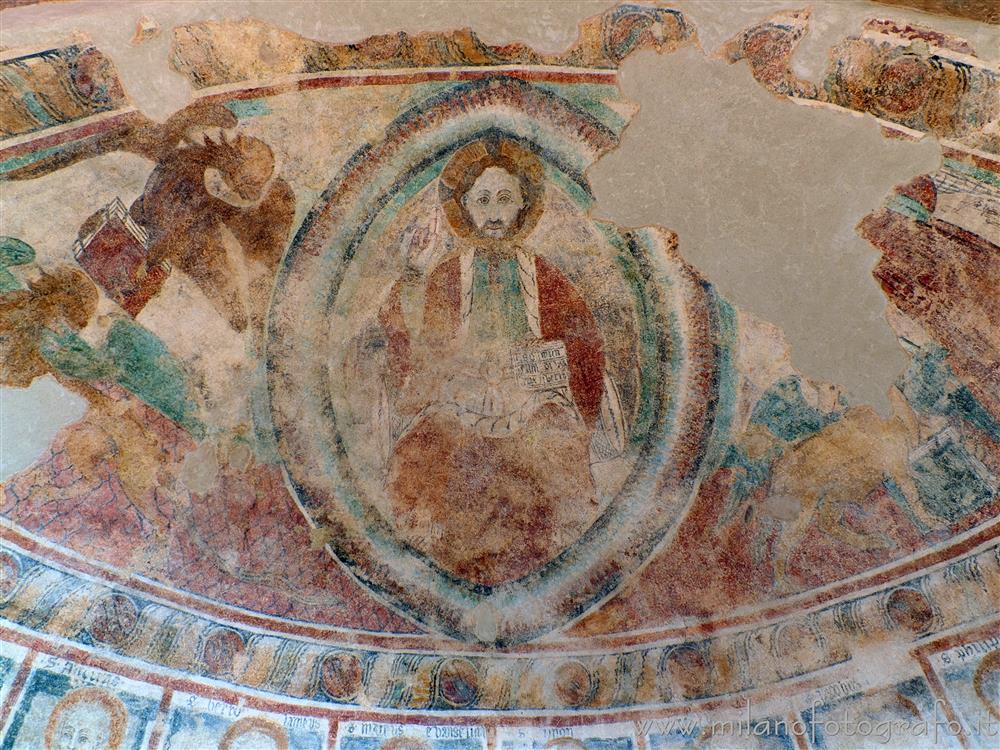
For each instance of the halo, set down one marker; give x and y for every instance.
(117, 713)
(988, 666)
(565, 743)
(476, 157)
(405, 742)
(255, 724)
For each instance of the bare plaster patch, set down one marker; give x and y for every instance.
(764, 196)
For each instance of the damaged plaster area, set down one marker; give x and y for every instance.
(764, 196)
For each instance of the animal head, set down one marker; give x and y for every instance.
(64, 295)
(245, 163)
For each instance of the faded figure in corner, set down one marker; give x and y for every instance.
(496, 385)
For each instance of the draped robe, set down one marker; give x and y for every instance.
(491, 479)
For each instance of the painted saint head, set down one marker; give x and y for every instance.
(565, 743)
(493, 189)
(405, 742)
(254, 733)
(986, 682)
(87, 719)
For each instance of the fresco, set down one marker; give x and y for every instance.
(905, 714)
(68, 705)
(776, 733)
(195, 722)
(593, 737)
(368, 735)
(10, 664)
(965, 671)
(390, 438)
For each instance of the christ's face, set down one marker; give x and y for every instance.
(494, 202)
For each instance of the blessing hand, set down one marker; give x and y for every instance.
(419, 244)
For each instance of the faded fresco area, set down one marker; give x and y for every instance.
(339, 411)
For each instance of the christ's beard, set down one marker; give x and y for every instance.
(494, 229)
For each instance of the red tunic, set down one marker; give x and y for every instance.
(492, 509)
(563, 313)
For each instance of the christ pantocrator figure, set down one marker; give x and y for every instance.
(499, 390)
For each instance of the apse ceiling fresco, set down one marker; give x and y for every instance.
(336, 413)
